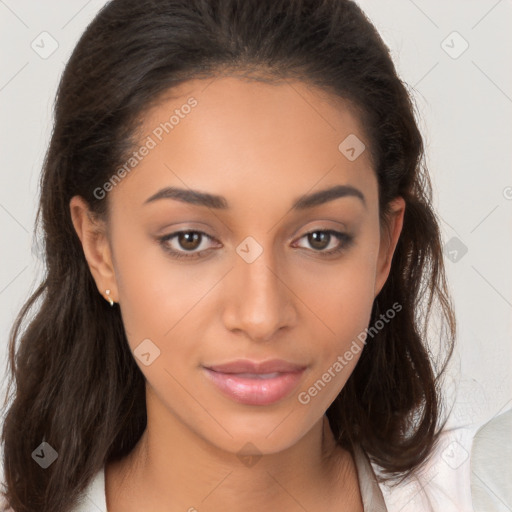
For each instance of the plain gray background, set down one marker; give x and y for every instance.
(464, 97)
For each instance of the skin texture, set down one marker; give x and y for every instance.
(260, 146)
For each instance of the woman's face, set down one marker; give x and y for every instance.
(271, 269)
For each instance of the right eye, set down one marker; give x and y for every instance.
(186, 243)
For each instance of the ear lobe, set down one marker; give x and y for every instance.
(93, 236)
(390, 233)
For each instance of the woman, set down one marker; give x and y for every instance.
(242, 261)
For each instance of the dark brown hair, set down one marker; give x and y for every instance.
(77, 385)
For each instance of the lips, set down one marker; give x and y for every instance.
(255, 383)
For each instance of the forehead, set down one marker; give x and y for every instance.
(233, 136)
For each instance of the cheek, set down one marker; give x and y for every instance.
(153, 295)
(342, 294)
(343, 300)
(164, 302)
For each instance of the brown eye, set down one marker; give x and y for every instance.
(189, 240)
(322, 239)
(319, 239)
(185, 244)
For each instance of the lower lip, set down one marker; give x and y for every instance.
(253, 391)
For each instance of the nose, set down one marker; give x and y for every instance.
(258, 301)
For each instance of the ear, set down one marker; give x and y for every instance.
(93, 236)
(389, 234)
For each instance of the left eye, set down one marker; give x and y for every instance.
(320, 240)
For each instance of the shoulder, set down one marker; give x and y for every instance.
(491, 471)
(371, 494)
(443, 483)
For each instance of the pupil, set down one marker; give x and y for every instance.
(316, 241)
(190, 239)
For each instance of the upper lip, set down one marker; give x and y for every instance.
(247, 366)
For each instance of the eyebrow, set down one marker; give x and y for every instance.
(219, 202)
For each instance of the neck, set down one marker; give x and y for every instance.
(186, 472)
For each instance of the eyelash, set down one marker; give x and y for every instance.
(345, 240)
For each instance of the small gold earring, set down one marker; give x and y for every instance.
(109, 298)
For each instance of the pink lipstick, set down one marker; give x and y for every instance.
(256, 383)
